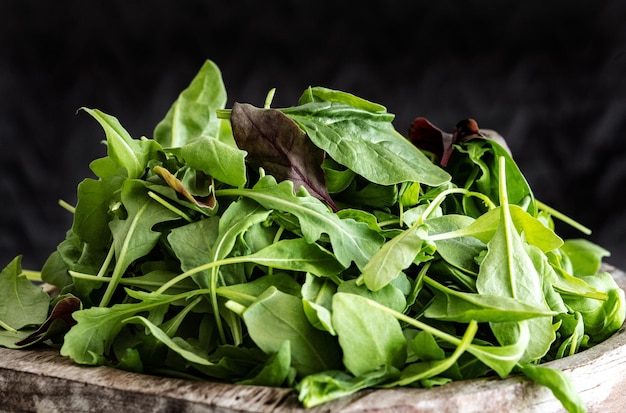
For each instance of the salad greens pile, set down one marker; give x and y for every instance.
(312, 247)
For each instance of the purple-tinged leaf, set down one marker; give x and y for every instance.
(277, 144)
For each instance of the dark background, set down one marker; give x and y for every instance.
(550, 76)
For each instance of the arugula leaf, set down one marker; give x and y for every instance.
(351, 240)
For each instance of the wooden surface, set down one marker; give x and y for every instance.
(43, 381)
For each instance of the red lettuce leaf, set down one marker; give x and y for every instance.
(277, 144)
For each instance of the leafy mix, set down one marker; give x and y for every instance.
(313, 247)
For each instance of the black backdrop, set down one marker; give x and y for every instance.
(550, 76)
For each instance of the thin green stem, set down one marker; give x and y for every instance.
(107, 261)
(204, 267)
(32, 275)
(441, 197)
(564, 218)
(7, 327)
(67, 206)
(169, 206)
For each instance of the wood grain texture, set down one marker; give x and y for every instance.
(41, 380)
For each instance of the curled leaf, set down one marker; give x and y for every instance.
(175, 183)
(430, 138)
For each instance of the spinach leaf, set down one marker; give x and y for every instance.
(276, 317)
(368, 337)
(366, 143)
(22, 303)
(192, 115)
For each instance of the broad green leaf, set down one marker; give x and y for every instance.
(600, 317)
(193, 114)
(508, 271)
(317, 299)
(429, 368)
(389, 295)
(394, 256)
(217, 159)
(369, 338)
(350, 240)
(584, 256)
(90, 339)
(366, 142)
(246, 293)
(92, 214)
(298, 255)
(193, 243)
(22, 303)
(276, 317)
(323, 94)
(460, 251)
(502, 359)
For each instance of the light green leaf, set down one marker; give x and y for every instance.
(217, 159)
(369, 338)
(276, 317)
(22, 303)
(193, 114)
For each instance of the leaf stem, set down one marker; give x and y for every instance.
(7, 327)
(204, 267)
(169, 206)
(67, 206)
(441, 197)
(562, 217)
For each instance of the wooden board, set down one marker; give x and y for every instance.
(43, 381)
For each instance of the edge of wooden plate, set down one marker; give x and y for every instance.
(41, 380)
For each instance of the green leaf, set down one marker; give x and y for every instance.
(89, 341)
(275, 371)
(193, 114)
(92, 214)
(127, 152)
(217, 159)
(453, 305)
(134, 237)
(351, 240)
(165, 339)
(393, 257)
(507, 270)
(276, 317)
(369, 338)
(298, 255)
(366, 142)
(584, 256)
(559, 383)
(316, 389)
(22, 303)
